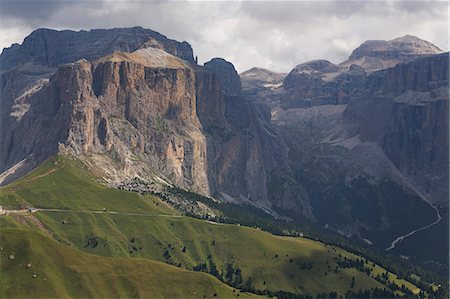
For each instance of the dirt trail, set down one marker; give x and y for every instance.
(28, 212)
(44, 174)
(31, 220)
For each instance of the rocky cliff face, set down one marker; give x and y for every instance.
(424, 74)
(231, 83)
(26, 70)
(147, 113)
(398, 95)
(246, 149)
(405, 110)
(140, 104)
(319, 82)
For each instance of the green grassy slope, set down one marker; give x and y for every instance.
(64, 183)
(277, 261)
(147, 228)
(66, 272)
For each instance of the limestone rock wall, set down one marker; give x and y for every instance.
(405, 110)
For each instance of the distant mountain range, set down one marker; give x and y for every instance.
(359, 149)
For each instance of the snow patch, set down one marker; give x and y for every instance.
(273, 86)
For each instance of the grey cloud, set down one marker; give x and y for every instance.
(276, 35)
(31, 11)
(420, 7)
(300, 11)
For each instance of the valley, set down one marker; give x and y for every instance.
(125, 225)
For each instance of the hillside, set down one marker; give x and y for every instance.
(62, 271)
(88, 217)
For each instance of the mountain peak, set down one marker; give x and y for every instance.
(261, 74)
(314, 66)
(408, 38)
(374, 55)
(227, 74)
(256, 70)
(400, 47)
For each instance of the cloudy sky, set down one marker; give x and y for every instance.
(272, 34)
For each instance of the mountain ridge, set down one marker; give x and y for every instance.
(91, 44)
(272, 143)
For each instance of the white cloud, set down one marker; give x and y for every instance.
(272, 34)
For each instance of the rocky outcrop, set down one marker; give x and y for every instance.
(231, 83)
(405, 47)
(308, 74)
(138, 105)
(319, 82)
(424, 74)
(405, 110)
(27, 68)
(128, 105)
(246, 150)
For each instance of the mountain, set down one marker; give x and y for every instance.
(27, 68)
(356, 129)
(320, 82)
(374, 55)
(53, 47)
(259, 79)
(146, 113)
(260, 76)
(327, 148)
